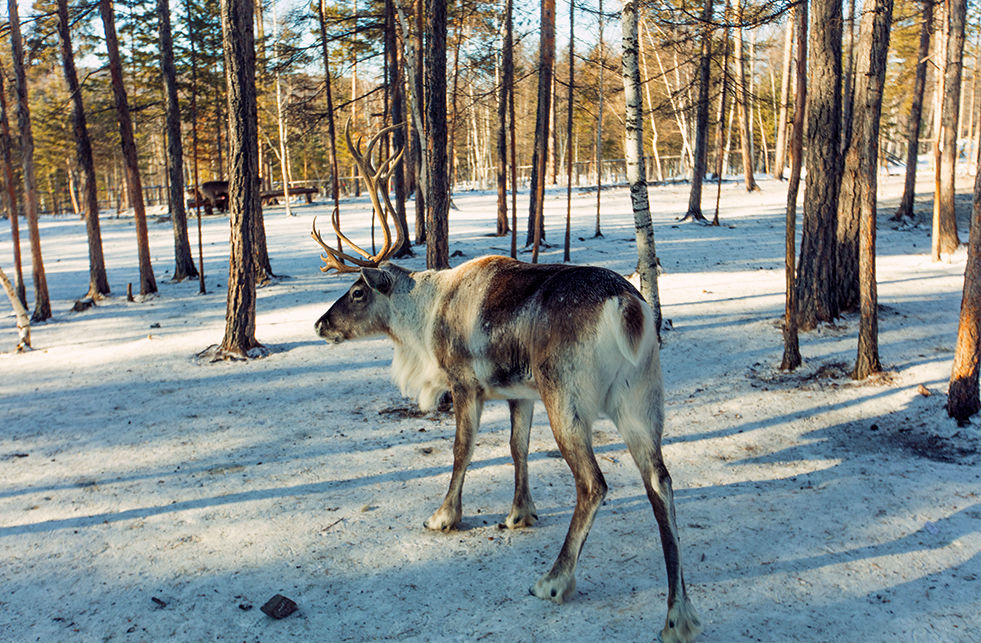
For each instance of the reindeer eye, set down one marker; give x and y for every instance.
(357, 293)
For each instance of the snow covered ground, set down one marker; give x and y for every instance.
(146, 495)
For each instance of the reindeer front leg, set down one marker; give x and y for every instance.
(467, 405)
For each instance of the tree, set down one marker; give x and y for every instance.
(905, 209)
(42, 303)
(816, 269)
(437, 196)
(601, 51)
(10, 192)
(20, 312)
(568, 132)
(701, 116)
(148, 284)
(243, 187)
(781, 143)
(859, 180)
(98, 281)
(742, 105)
(945, 227)
(396, 108)
(636, 173)
(505, 92)
(183, 261)
(546, 66)
(331, 128)
(962, 392)
(791, 347)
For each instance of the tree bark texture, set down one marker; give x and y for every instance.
(816, 269)
(567, 247)
(905, 209)
(42, 303)
(10, 192)
(861, 171)
(701, 115)
(397, 113)
(335, 188)
(183, 261)
(239, 341)
(636, 174)
(546, 67)
(148, 284)
(791, 343)
(948, 238)
(962, 392)
(437, 196)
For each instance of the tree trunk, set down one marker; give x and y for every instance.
(243, 186)
(42, 303)
(905, 209)
(507, 80)
(184, 262)
(568, 135)
(816, 270)
(397, 110)
(962, 392)
(723, 148)
(701, 116)
(859, 181)
(947, 217)
(335, 188)
(98, 281)
(599, 125)
(546, 65)
(791, 345)
(20, 312)
(781, 145)
(148, 284)
(848, 82)
(437, 197)
(742, 106)
(636, 174)
(10, 193)
(191, 38)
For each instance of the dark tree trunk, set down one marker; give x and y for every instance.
(861, 165)
(791, 345)
(962, 392)
(191, 38)
(947, 230)
(98, 281)
(507, 81)
(397, 111)
(10, 193)
(148, 284)
(243, 188)
(780, 159)
(701, 116)
(720, 130)
(546, 66)
(905, 209)
(568, 134)
(816, 271)
(437, 197)
(42, 303)
(183, 261)
(422, 193)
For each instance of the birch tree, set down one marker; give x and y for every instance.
(10, 192)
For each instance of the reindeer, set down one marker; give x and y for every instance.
(580, 338)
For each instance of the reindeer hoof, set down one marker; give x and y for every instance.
(682, 624)
(557, 590)
(518, 519)
(443, 520)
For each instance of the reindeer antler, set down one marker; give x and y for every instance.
(373, 178)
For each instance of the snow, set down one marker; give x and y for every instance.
(811, 507)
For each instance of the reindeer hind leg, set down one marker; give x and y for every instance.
(523, 512)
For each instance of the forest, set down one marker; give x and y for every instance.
(178, 446)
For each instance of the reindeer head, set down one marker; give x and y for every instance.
(364, 310)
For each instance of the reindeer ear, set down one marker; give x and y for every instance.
(378, 280)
